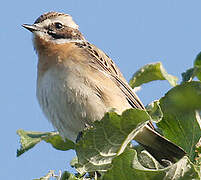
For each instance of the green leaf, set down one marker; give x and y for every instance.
(64, 176)
(192, 72)
(188, 75)
(152, 72)
(198, 154)
(29, 139)
(148, 161)
(68, 176)
(126, 166)
(74, 161)
(197, 61)
(108, 138)
(180, 123)
(49, 175)
(58, 143)
(155, 111)
(197, 66)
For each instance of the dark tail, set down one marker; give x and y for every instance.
(158, 146)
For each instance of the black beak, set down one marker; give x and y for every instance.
(31, 28)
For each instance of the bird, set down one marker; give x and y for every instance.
(77, 83)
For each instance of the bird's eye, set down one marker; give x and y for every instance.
(58, 25)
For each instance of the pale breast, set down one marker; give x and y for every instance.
(72, 94)
(68, 101)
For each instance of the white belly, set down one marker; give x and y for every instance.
(66, 101)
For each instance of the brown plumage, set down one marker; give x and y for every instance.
(78, 83)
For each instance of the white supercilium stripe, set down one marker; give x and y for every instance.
(63, 41)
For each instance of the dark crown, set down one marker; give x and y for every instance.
(49, 15)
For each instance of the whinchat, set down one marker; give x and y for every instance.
(78, 83)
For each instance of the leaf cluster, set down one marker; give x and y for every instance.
(107, 152)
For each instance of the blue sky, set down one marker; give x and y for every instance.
(133, 33)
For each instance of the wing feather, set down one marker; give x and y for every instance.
(102, 62)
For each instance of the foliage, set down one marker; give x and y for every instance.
(105, 151)
(151, 72)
